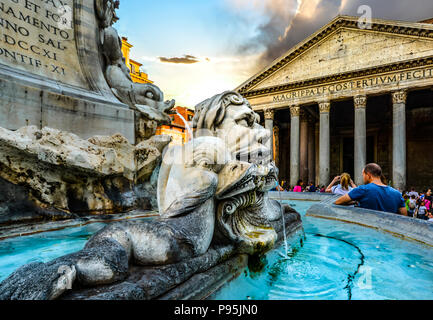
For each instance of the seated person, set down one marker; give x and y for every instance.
(341, 185)
(375, 195)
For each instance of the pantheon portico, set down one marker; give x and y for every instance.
(347, 96)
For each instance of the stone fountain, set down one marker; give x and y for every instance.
(211, 195)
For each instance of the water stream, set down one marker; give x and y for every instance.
(188, 128)
(286, 246)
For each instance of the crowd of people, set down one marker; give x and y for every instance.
(375, 194)
(419, 205)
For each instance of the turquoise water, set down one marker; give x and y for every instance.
(43, 247)
(16, 252)
(338, 261)
(331, 261)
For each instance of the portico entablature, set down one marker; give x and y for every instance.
(408, 75)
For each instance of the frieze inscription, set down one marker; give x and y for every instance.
(372, 82)
(37, 36)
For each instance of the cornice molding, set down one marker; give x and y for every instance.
(400, 66)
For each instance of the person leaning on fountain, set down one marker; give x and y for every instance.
(341, 185)
(375, 195)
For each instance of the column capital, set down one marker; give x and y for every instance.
(269, 114)
(325, 106)
(295, 111)
(399, 96)
(360, 101)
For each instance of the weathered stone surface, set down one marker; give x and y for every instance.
(48, 281)
(145, 98)
(152, 282)
(190, 279)
(60, 45)
(203, 196)
(66, 173)
(51, 71)
(16, 207)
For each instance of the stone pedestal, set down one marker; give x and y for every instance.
(57, 79)
(399, 174)
(360, 137)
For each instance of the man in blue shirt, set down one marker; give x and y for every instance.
(374, 195)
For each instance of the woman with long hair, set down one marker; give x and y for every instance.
(299, 186)
(345, 185)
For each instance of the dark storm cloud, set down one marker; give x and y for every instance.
(186, 59)
(272, 35)
(414, 11)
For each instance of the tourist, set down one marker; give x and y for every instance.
(277, 187)
(345, 185)
(413, 193)
(430, 217)
(427, 203)
(421, 212)
(406, 201)
(298, 187)
(375, 195)
(412, 206)
(428, 195)
(313, 188)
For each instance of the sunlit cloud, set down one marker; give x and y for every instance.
(186, 59)
(223, 59)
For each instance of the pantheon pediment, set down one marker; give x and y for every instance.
(341, 47)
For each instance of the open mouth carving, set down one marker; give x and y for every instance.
(241, 213)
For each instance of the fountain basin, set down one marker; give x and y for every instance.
(192, 279)
(338, 261)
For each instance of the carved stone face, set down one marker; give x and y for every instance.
(243, 215)
(243, 135)
(230, 117)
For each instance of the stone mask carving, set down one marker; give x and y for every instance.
(230, 117)
(244, 211)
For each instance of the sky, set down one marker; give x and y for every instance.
(194, 49)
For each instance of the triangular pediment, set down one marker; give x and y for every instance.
(341, 47)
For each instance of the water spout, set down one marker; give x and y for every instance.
(188, 128)
(286, 246)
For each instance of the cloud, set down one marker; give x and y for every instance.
(186, 59)
(290, 21)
